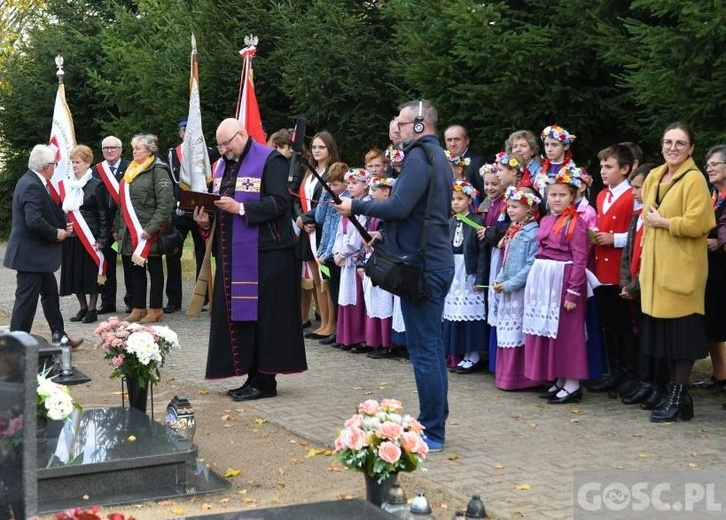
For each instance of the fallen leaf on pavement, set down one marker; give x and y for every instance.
(498, 466)
(165, 503)
(206, 506)
(276, 500)
(231, 473)
(454, 457)
(178, 511)
(692, 465)
(228, 417)
(523, 487)
(318, 451)
(202, 391)
(260, 420)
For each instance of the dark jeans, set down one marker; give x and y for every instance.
(426, 349)
(138, 284)
(184, 224)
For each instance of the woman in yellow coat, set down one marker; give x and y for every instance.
(674, 266)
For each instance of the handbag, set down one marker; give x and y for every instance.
(403, 275)
(170, 241)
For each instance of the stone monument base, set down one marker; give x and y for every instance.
(109, 456)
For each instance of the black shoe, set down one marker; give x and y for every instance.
(170, 309)
(315, 335)
(336, 345)
(58, 336)
(251, 393)
(346, 347)
(382, 353)
(329, 340)
(307, 324)
(640, 394)
(106, 309)
(80, 315)
(91, 317)
(129, 309)
(678, 405)
(570, 397)
(360, 349)
(625, 388)
(239, 389)
(613, 381)
(655, 400)
(468, 369)
(549, 394)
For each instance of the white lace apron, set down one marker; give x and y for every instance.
(493, 297)
(347, 294)
(397, 322)
(379, 303)
(543, 294)
(462, 303)
(510, 314)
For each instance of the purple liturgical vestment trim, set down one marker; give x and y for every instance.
(244, 289)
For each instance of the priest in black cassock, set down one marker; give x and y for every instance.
(255, 324)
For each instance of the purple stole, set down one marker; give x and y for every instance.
(245, 238)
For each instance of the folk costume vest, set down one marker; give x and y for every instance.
(244, 248)
(616, 220)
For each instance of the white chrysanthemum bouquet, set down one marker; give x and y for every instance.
(136, 351)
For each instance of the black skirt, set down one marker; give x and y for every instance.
(715, 305)
(674, 338)
(79, 273)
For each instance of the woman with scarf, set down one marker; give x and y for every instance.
(146, 199)
(85, 203)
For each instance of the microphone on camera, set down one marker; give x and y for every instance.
(298, 140)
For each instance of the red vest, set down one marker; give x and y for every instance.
(616, 220)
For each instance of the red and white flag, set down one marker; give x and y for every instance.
(62, 137)
(248, 112)
(195, 169)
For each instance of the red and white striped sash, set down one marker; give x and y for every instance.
(80, 226)
(140, 245)
(109, 180)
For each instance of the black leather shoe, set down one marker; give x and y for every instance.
(468, 369)
(640, 394)
(549, 394)
(315, 335)
(328, 340)
(90, 317)
(307, 324)
(170, 309)
(56, 338)
(360, 349)
(382, 353)
(611, 382)
(251, 393)
(80, 315)
(655, 400)
(574, 397)
(107, 309)
(238, 389)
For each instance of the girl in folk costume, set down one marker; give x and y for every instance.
(458, 165)
(378, 302)
(85, 201)
(511, 171)
(554, 320)
(557, 142)
(464, 329)
(519, 248)
(347, 250)
(324, 152)
(327, 219)
(146, 198)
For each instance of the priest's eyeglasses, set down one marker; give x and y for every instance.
(226, 143)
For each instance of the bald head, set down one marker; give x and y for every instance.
(231, 138)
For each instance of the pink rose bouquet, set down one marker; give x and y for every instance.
(380, 440)
(135, 351)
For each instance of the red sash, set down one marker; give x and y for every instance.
(108, 179)
(140, 245)
(80, 226)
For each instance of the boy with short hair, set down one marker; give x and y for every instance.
(614, 215)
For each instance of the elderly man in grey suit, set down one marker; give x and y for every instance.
(34, 249)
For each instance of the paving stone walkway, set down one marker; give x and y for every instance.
(514, 450)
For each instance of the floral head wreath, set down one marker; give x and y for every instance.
(568, 174)
(487, 168)
(512, 162)
(520, 195)
(394, 154)
(465, 188)
(586, 177)
(382, 182)
(558, 133)
(457, 160)
(357, 174)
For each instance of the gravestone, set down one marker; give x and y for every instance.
(18, 408)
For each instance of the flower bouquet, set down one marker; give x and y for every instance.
(380, 441)
(136, 351)
(54, 400)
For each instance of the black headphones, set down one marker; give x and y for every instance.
(418, 122)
